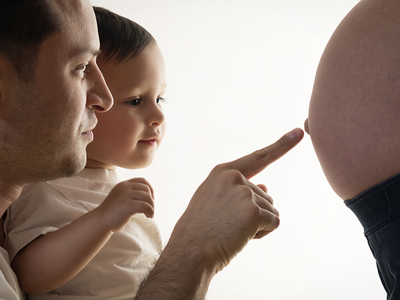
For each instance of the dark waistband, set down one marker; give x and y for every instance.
(377, 204)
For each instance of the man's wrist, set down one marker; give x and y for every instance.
(183, 271)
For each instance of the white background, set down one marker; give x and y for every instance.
(240, 75)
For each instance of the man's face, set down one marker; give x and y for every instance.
(48, 121)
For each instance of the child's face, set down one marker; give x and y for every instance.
(129, 134)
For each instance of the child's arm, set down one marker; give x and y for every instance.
(51, 260)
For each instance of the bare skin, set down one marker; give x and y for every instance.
(51, 260)
(224, 214)
(46, 139)
(354, 111)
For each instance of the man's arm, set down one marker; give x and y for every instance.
(225, 213)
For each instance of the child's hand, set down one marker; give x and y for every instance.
(126, 199)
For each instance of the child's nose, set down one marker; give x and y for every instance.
(156, 117)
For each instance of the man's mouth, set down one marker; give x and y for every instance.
(88, 134)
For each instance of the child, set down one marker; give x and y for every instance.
(68, 238)
(354, 122)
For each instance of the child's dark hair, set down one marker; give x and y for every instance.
(120, 38)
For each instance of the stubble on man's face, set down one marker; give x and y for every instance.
(33, 149)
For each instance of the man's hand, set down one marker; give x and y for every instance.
(126, 199)
(228, 210)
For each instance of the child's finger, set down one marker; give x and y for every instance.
(143, 207)
(143, 196)
(141, 180)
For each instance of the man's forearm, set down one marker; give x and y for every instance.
(181, 272)
(224, 214)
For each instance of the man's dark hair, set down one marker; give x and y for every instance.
(120, 38)
(24, 25)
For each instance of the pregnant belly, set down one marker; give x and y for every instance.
(354, 115)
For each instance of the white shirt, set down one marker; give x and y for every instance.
(9, 288)
(121, 265)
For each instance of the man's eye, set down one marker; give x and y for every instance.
(82, 68)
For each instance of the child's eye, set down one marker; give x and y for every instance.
(134, 102)
(160, 100)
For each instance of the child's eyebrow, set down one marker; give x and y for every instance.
(164, 86)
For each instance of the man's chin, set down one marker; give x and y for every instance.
(68, 167)
(76, 165)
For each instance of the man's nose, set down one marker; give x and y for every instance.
(99, 96)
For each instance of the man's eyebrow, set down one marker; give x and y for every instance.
(96, 53)
(84, 51)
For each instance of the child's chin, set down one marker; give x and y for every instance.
(138, 165)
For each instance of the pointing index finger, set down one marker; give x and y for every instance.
(254, 163)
